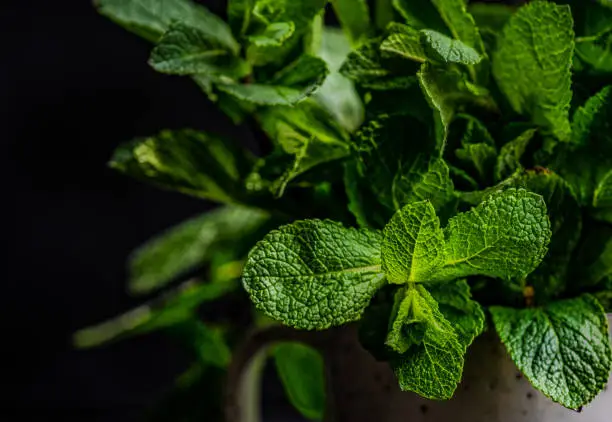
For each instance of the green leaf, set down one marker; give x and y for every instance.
(189, 245)
(443, 49)
(337, 94)
(465, 315)
(170, 310)
(404, 45)
(413, 245)
(291, 85)
(433, 363)
(563, 348)
(151, 18)
(301, 13)
(509, 159)
(314, 274)
(480, 156)
(506, 237)
(594, 259)
(306, 136)
(354, 17)
(185, 50)
(491, 16)
(585, 164)
(424, 181)
(532, 65)
(240, 16)
(594, 45)
(188, 161)
(274, 35)
(550, 278)
(603, 193)
(605, 299)
(207, 343)
(302, 372)
(421, 14)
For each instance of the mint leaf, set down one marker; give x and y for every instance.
(562, 348)
(506, 237)
(189, 245)
(420, 14)
(432, 367)
(354, 17)
(185, 50)
(274, 35)
(532, 65)
(291, 85)
(443, 49)
(151, 18)
(465, 315)
(509, 159)
(413, 245)
(240, 16)
(172, 310)
(302, 371)
(407, 46)
(481, 157)
(314, 274)
(299, 12)
(306, 136)
(337, 94)
(605, 299)
(490, 16)
(585, 164)
(424, 181)
(603, 192)
(594, 45)
(188, 161)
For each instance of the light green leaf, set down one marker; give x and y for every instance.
(189, 245)
(291, 85)
(314, 274)
(562, 348)
(432, 367)
(413, 245)
(443, 49)
(185, 50)
(586, 163)
(274, 35)
(151, 18)
(509, 159)
(171, 310)
(354, 17)
(465, 315)
(481, 157)
(302, 372)
(305, 135)
(424, 181)
(240, 15)
(337, 94)
(188, 161)
(532, 65)
(603, 193)
(404, 45)
(506, 237)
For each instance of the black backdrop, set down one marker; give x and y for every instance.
(72, 87)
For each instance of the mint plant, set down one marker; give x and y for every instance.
(430, 166)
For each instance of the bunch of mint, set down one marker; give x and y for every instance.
(468, 146)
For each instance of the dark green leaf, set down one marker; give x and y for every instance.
(594, 25)
(421, 14)
(509, 159)
(191, 162)
(354, 17)
(302, 372)
(240, 16)
(563, 348)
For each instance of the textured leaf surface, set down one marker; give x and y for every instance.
(466, 315)
(562, 348)
(302, 372)
(314, 274)
(532, 65)
(189, 245)
(446, 50)
(506, 237)
(413, 245)
(407, 46)
(509, 159)
(151, 18)
(433, 367)
(354, 17)
(185, 50)
(188, 161)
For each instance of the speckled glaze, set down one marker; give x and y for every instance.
(492, 390)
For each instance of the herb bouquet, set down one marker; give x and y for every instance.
(432, 169)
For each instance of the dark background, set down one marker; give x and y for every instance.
(73, 85)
